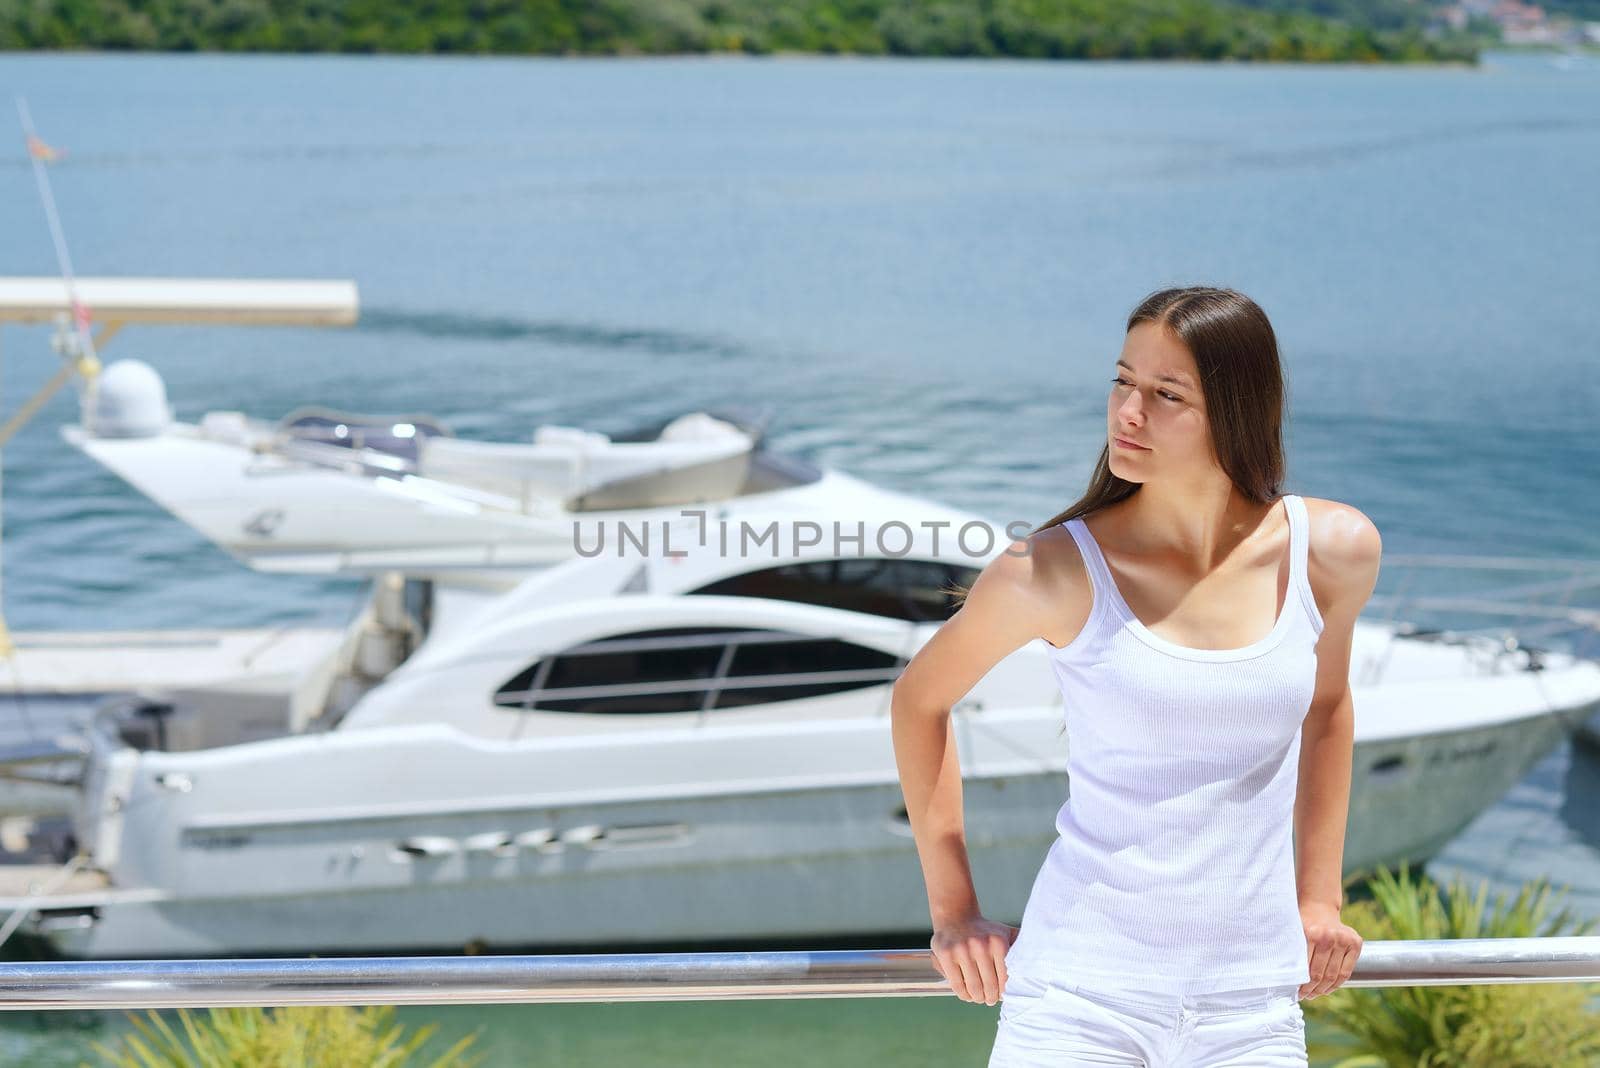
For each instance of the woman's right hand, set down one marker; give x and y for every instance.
(971, 954)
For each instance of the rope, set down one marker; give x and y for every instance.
(43, 891)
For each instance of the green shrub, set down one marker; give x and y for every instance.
(1503, 1025)
(302, 1036)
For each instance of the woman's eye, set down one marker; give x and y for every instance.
(1160, 392)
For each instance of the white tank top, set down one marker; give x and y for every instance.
(1174, 867)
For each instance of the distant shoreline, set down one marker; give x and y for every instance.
(788, 56)
(1202, 31)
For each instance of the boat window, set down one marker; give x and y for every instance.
(787, 671)
(644, 671)
(913, 590)
(686, 669)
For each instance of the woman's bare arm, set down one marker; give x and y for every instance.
(1344, 568)
(1015, 599)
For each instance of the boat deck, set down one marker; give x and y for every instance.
(120, 661)
(23, 880)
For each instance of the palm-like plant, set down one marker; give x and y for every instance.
(1504, 1025)
(304, 1036)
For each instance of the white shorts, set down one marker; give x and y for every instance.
(1071, 1025)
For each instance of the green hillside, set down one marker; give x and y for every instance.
(1087, 29)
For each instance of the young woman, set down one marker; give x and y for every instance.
(1200, 621)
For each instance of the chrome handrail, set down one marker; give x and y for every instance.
(34, 985)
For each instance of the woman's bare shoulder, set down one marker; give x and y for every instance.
(1345, 545)
(1057, 554)
(1047, 571)
(1341, 531)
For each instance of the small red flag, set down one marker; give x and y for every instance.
(39, 150)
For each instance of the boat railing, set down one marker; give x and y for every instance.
(847, 973)
(1518, 607)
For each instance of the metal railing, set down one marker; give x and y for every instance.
(1550, 605)
(669, 976)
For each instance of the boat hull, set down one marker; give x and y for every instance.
(768, 864)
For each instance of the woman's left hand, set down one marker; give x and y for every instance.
(1332, 945)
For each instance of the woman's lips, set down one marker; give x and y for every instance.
(1132, 446)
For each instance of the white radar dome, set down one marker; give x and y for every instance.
(130, 401)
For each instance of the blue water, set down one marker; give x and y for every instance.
(923, 266)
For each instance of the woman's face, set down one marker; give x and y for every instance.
(1156, 403)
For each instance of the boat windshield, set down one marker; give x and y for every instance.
(396, 436)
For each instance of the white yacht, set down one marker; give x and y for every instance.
(640, 745)
(674, 750)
